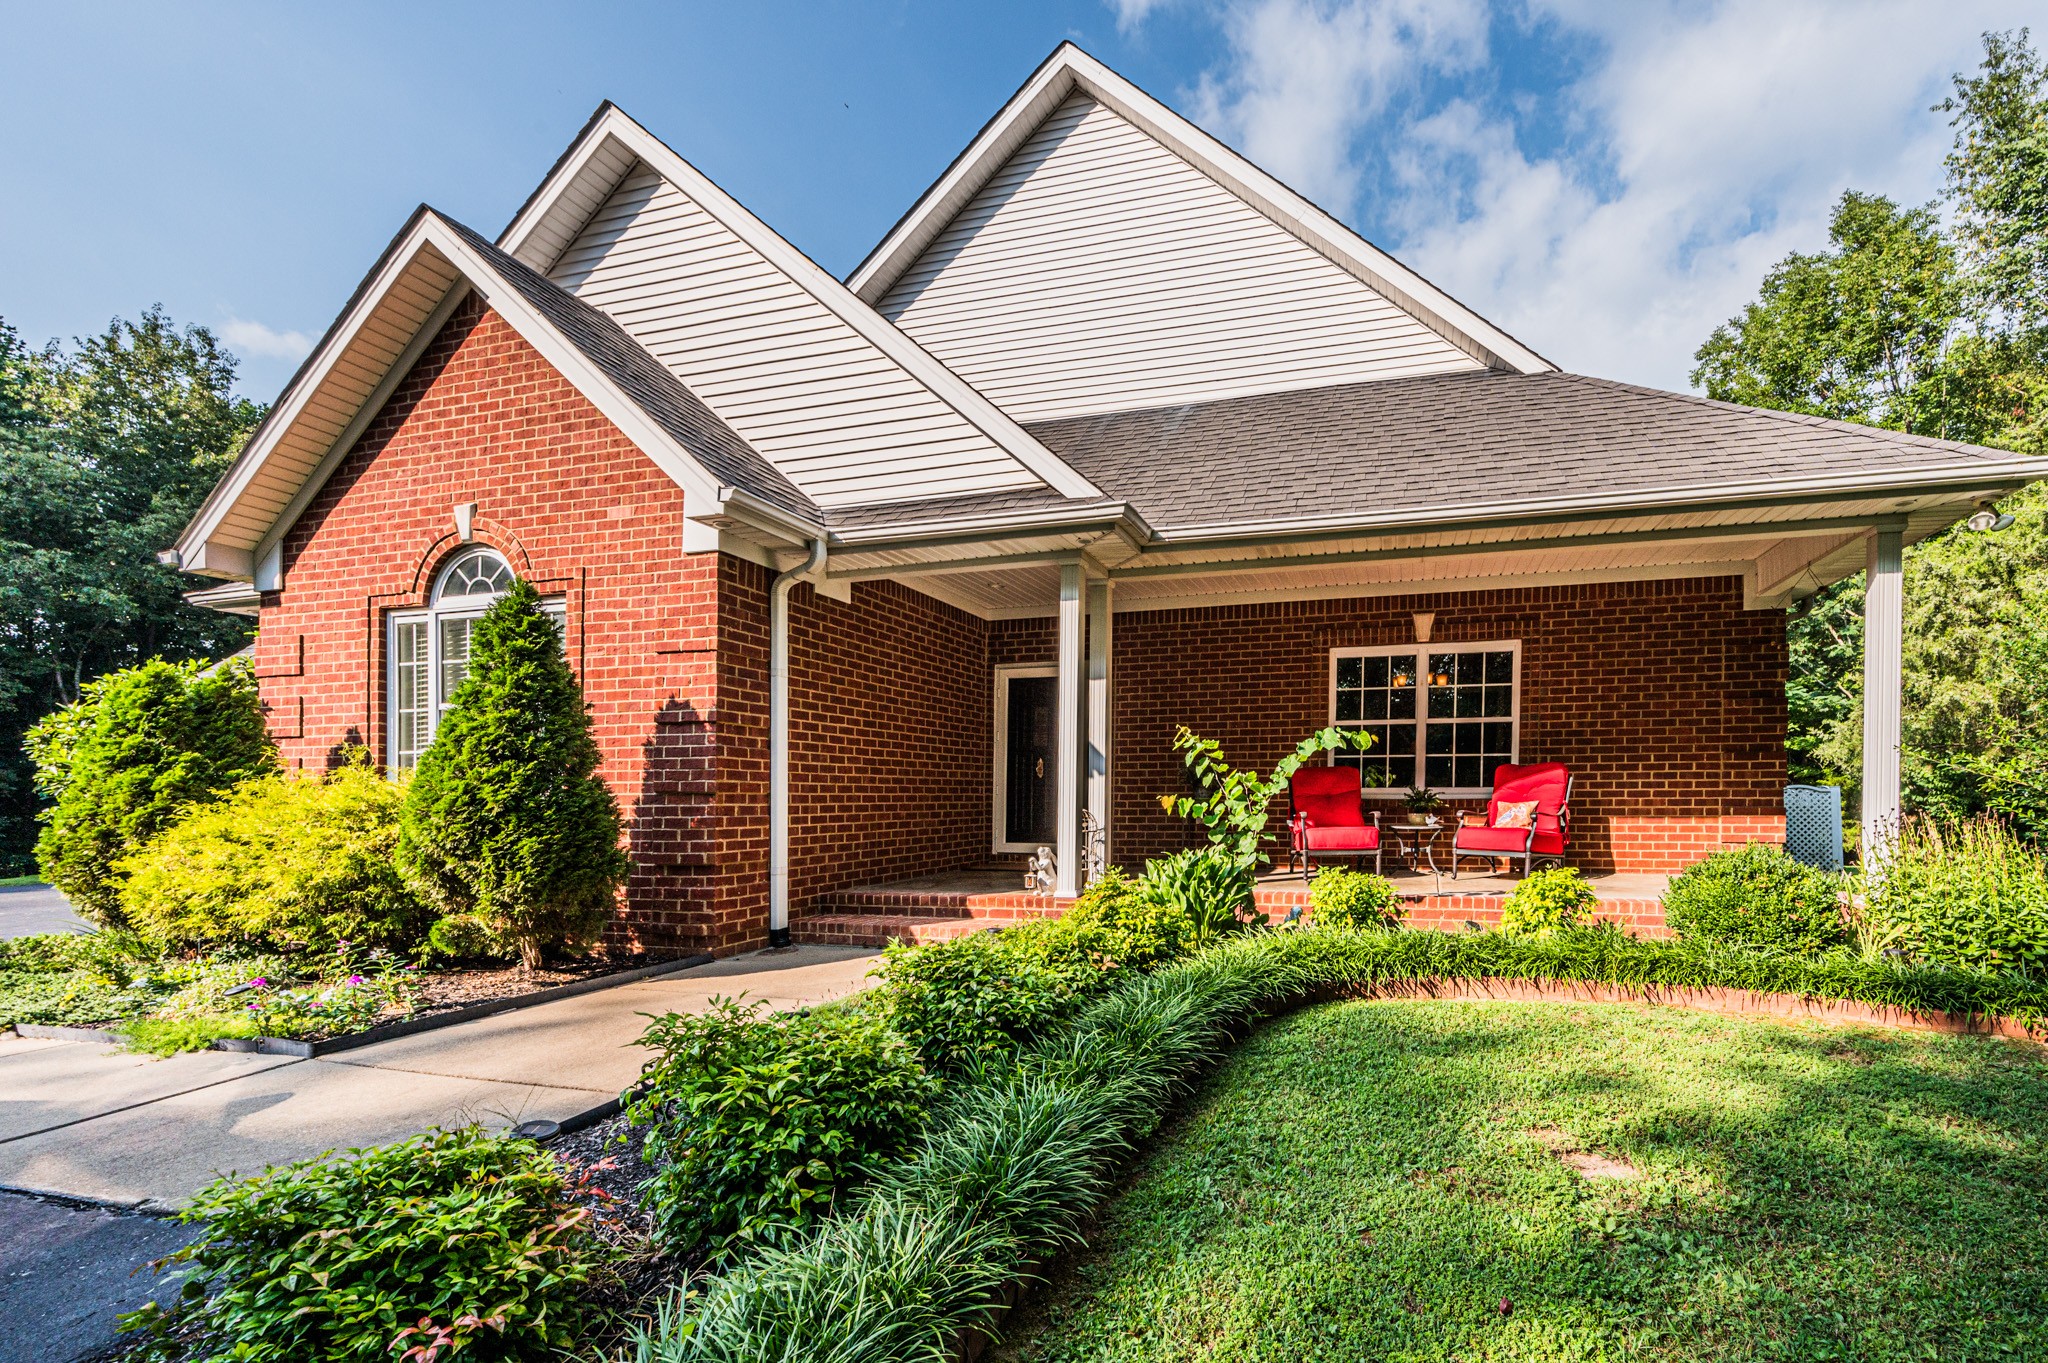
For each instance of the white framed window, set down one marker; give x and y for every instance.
(427, 651)
(1441, 716)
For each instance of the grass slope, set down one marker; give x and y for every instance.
(1376, 1180)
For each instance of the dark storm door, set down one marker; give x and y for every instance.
(1030, 748)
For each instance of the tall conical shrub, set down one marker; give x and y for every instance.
(506, 818)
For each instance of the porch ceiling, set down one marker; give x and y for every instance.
(1782, 552)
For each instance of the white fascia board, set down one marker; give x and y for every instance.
(428, 232)
(613, 123)
(398, 257)
(1990, 478)
(1070, 69)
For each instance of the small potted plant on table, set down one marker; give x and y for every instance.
(1422, 805)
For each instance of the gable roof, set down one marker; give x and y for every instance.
(846, 405)
(430, 266)
(1469, 447)
(1070, 73)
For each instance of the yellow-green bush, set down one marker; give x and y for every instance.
(284, 860)
(1547, 901)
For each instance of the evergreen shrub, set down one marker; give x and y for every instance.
(1123, 923)
(1963, 893)
(136, 750)
(1353, 899)
(1756, 895)
(756, 1120)
(506, 817)
(964, 1001)
(281, 860)
(1547, 901)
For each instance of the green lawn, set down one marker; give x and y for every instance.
(1393, 1181)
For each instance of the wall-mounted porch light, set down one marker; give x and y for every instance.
(1987, 519)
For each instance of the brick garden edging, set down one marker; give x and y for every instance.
(1704, 999)
(389, 1031)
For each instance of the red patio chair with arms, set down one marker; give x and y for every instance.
(1529, 816)
(1327, 818)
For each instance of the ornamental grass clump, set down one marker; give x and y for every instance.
(472, 1242)
(1758, 896)
(506, 818)
(1963, 893)
(757, 1122)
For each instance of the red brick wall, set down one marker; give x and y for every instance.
(890, 732)
(577, 509)
(1667, 699)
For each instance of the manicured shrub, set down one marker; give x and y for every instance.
(1353, 899)
(1208, 887)
(964, 1001)
(1967, 893)
(506, 817)
(1756, 896)
(756, 1122)
(1546, 901)
(282, 860)
(1121, 922)
(464, 937)
(139, 747)
(470, 1240)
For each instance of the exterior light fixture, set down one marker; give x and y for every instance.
(1986, 520)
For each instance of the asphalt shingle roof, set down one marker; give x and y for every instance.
(1447, 440)
(723, 452)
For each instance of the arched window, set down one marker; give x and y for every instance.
(428, 650)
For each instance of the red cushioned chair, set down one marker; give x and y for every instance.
(1549, 784)
(1327, 818)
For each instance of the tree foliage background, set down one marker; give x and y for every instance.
(106, 449)
(1933, 322)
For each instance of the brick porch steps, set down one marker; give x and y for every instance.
(876, 916)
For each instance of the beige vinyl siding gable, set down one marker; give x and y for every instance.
(1099, 272)
(842, 420)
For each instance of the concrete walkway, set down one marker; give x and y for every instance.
(85, 1120)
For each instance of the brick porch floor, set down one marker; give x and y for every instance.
(953, 904)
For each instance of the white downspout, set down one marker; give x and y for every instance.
(778, 742)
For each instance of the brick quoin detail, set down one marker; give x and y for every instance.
(1666, 698)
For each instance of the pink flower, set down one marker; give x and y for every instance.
(355, 979)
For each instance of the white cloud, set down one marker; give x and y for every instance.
(1131, 13)
(1705, 142)
(261, 342)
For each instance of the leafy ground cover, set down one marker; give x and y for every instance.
(1410, 1181)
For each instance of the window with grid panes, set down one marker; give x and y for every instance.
(1442, 717)
(429, 649)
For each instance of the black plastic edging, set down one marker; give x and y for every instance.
(390, 1031)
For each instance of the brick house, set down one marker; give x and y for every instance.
(888, 581)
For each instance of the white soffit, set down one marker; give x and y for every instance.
(844, 404)
(395, 313)
(978, 182)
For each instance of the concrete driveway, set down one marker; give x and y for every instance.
(26, 910)
(81, 1119)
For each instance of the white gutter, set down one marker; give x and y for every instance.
(778, 742)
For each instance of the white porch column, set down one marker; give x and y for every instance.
(1072, 675)
(1098, 708)
(1884, 600)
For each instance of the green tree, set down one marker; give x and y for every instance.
(134, 751)
(1855, 332)
(1897, 325)
(506, 817)
(105, 452)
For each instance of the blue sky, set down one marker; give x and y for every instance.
(1607, 180)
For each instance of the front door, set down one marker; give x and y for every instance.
(1028, 734)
